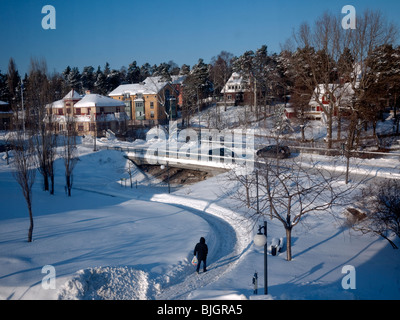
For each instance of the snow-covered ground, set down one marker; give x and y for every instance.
(110, 241)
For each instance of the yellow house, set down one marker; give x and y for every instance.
(150, 102)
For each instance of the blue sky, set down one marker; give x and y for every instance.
(155, 31)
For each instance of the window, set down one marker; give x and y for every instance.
(151, 105)
(139, 108)
(152, 114)
(78, 111)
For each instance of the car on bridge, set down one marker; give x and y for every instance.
(274, 151)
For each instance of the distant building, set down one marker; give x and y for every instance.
(92, 113)
(342, 100)
(150, 102)
(177, 83)
(237, 91)
(96, 113)
(6, 115)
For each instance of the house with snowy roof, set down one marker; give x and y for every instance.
(92, 113)
(338, 96)
(150, 102)
(237, 91)
(96, 113)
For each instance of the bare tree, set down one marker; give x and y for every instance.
(292, 191)
(245, 185)
(40, 95)
(131, 171)
(70, 152)
(24, 163)
(380, 213)
(220, 71)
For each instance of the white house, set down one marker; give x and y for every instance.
(236, 90)
(340, 94)
(91, 113)
(95, 112)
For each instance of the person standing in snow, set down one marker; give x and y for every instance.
(201, 251)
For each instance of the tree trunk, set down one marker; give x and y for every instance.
(288, 243)
(30, 231)
(45, 179)
(390, 241)
(52, 184)
(329, 130)
(69, 184)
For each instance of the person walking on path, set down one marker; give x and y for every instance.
(201, 251)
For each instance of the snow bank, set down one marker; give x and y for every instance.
(108, 283)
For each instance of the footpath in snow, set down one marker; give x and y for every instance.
(109, 241)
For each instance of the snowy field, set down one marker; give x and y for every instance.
(109, 241)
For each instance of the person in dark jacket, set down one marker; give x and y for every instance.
(201, 251)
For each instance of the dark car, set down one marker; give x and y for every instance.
(274, 151)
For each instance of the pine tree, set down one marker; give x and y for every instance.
(4, 93)
(113, 80)
(101, 82)
(88, 78)
(163, 71)
(185, 70)
(145, 71)
(72, 78)
(13, 81)
(133, 74)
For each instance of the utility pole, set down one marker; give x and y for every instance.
(23, 108)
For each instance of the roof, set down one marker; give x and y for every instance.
(151, 85)
(234, 84)
(343, 93)
(96, 100)
(56, 104)
(72, 95)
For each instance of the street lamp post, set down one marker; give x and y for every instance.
(260, 240)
